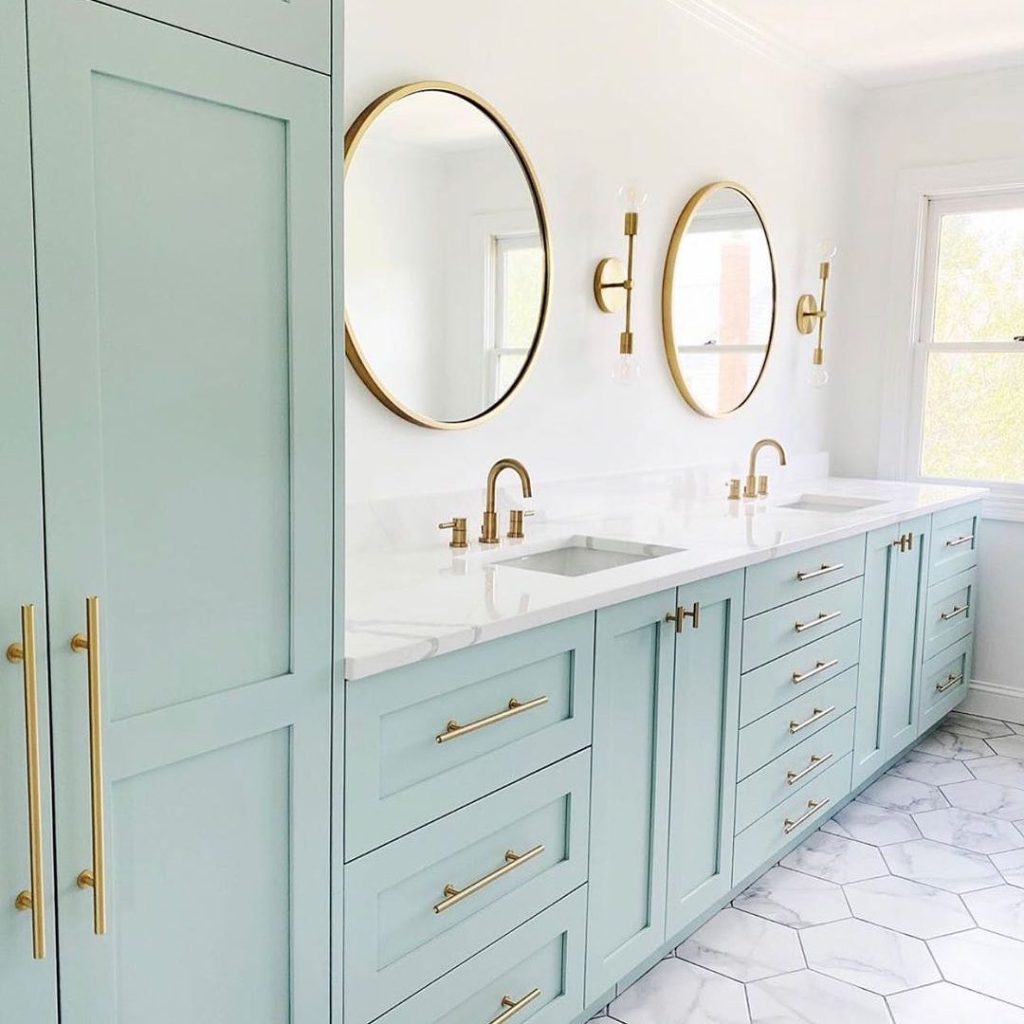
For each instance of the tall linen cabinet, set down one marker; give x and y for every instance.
(168, 428)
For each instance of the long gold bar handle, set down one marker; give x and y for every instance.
(823, 617)
(823, 571)
(952, 681)
(821, 666)
(514, 1006)
(453, 730)
(966, 539)
(813, 806)
(957, 610)
(817, 760)
(32, 898)
(513, 860)
(819, 714)
(96, 876)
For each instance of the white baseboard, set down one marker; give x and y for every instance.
(994, 700)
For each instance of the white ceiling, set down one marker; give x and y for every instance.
(884, 42)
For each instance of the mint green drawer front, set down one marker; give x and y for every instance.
(771, 736)
(545, 956)
(801, 813)
(772, 634)
(949, 614)
(807, 572)
(786, 678)
(406, 934)
(398, 776)
(945, 680)
(954, 542)
(797, 768)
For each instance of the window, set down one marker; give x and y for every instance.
(518, 276)
(969, 360)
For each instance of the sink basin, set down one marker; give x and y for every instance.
(831, 503)
(580, 556)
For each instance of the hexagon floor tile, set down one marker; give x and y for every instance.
(676, 992)
(836, 859)
(805, 997)
(941, 866)
(930, 768)
(983, 962)
(909, 907)
(870, 824)
(896, 794)
(999, 910)
(949, 744)
(743, 947)
(949, 1004)
(987, 798)
(972, 725)
(968, 831)
(793, 898)
(1011, 866)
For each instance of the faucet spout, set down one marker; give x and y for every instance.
(752, 489)
(489, 533)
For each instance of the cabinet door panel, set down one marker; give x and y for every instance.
(28, 986)
(630, 787)
(182, 192)
(704, 735)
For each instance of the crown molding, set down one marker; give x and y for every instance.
(766, 43)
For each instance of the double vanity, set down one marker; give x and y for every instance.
(564, 752)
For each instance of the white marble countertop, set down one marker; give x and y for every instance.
(410, 605)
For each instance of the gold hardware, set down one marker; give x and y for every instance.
(453, 730)
(812, 807)
(821, 666)
(819, 714)
(514, 1006)
(668, 327)
(752, 488)
(811, 313)
(817, 760)
(613, 282)
(458, 527)
(33, 898)
(96, 876)
(823, 617)
(966, 539)
(905, 542)
(910, 541)
(355, 354)
(762, 486)
(513, 860)
(489, 531)
(823, 571)
(955, 613)
(680, 615)
(515, 523)
(734, 489)
(953, 680)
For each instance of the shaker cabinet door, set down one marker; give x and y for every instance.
(28, 948)
(705, 725)
(182, 201)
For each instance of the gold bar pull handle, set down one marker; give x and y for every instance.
(32, 898)
(957, 541)
(513, 860)
(819, 667)
(94, 878)
(823, 617)
(816, 761)
(823, 571)
(819, 714)
(514, 1006)
(813, 806)
(951, 681)
(515, 707)
(957, 611)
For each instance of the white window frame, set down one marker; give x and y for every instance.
(921, 195)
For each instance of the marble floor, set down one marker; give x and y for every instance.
(906, 908)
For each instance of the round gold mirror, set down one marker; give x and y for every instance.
(447, 255)
(718, 299)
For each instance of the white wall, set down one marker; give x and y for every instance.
(601, 93)
(968, 119)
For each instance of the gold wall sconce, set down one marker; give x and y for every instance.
(613, 283)
(811, 313)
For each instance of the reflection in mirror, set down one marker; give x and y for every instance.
(718, 299)
(446, 255)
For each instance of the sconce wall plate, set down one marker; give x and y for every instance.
(608, 285)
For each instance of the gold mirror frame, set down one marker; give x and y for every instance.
(353, 351)
(666, 294)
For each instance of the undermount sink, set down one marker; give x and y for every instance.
(580, 556)
(831, 503)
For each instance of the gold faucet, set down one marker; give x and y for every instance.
(489, 533)
(755, 486)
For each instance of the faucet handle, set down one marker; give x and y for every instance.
(458, 527)
(762, 486)
(515, 522)
(734, 489)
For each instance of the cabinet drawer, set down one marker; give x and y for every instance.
(545, 956)
(771, 736)
(794, 770)
(786, 678)
(403, 900)
(400, 776)
(772, 634)
(949, 614)
(945, 680)
(954, 543)
(785, 579)
(800, 814)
